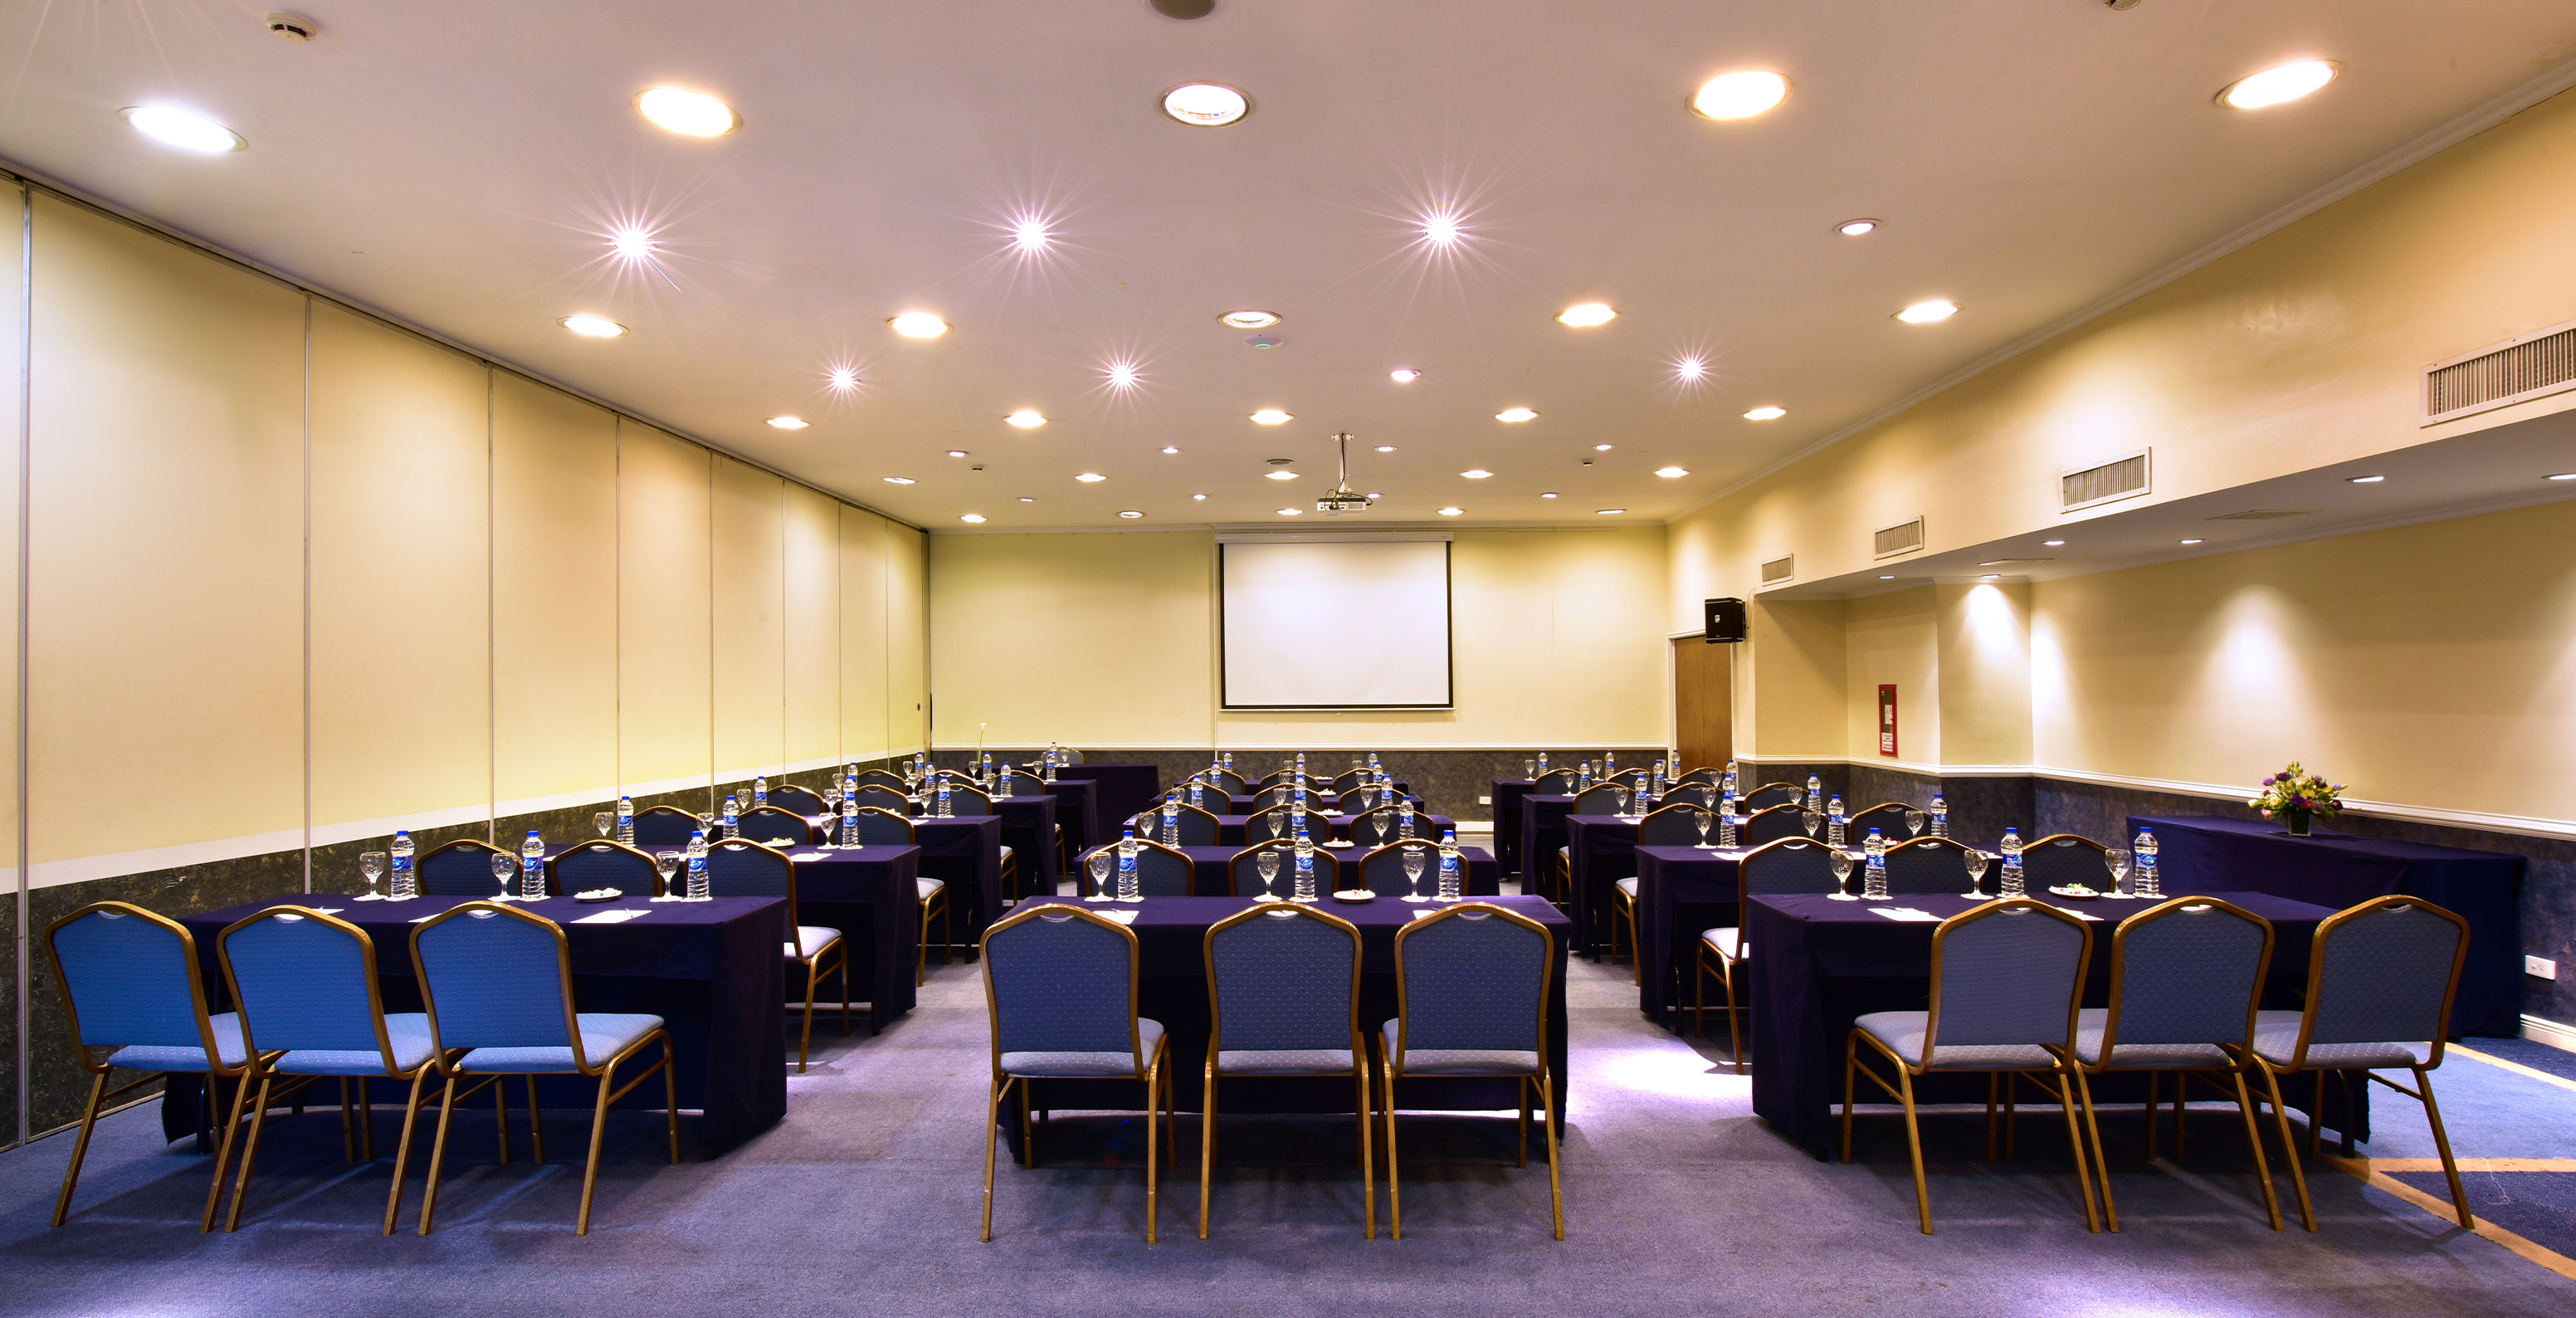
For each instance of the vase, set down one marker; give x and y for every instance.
(2299, 821)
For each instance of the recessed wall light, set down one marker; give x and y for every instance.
(1091, 478)
(2564, 476)
(2278, 85)
(1198, 498)
(1887, 576)
(1027, 499)
(957, 453)
(1404, 375)
(688, 113)
(1250, 319)
(1026, 418)
(1601, 448)
(1283, 474)
(971, 517)
(2052, 543)
(1475, 473)
(1452, 512)
(1585, 315)
(1856, 228)
(1739, 95)
(1206, 104)
(1168, 448)
(1515, 415)
(1609, 512)
(1547, 494)
(593, 327)
(918, 325)
(896, 480)
(1672, 473)
(1929, 312)
(185, 129)
(1291, 512)
(788, 422)
(1766, 413)
(2191, 542)
(1131, 514)
(1271, 416)
(1390, 448)
(2365, 480)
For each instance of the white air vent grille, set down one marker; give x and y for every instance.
(2533, 366)
(1779, 569)
(2116, 479)
(1904, 539)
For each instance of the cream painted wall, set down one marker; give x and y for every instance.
(866, 695)
(750, 575)
(12, 441)
(907, 648)
(665, 631)
(810, 705)
(1893, 637)
(1985, 673)
(554, 590)
(1800, 663)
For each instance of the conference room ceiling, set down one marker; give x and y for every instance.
(463, 166)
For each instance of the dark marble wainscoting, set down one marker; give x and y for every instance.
(1450, 782)
(9, 1009)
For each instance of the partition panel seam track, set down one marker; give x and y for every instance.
(307, 465)
(26, 425)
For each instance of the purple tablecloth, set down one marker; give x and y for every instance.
(1122, 789)
(1820, 964)
(1028, 829)
(711, 970)
(1209, 869)
(1077, 807)
(1601, 847)
(869, 894)
(1229, 828)
(1542, 832)
(965, 851)
(1680, 891)
(2338, 870)
(1508, 796)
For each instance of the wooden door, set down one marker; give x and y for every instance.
(1703, 702)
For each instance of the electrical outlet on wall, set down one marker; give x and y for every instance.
(1484, 800)
(2540, 967)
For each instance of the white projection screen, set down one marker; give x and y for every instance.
(1334, 622)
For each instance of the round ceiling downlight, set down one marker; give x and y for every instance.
(1249, 319)
(185, 129)
(1739, 95)
(688, 113)
(1206, 104)
(2278, 85)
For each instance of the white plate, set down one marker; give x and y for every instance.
(1341, 844)
(1355, 896)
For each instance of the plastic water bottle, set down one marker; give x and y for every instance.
(2142, 853)
(1726, 822)
(1873, 883)
(1050, 764)
(626, 820)
(759, 791)
(2013, 884)
(1654, 788)
(1815, 793)
(1940, 816)
(732, 817)
(1609, 763)
(1128, 891)
(1835, 822)
(532, 867)
(697, 889)
(1002, 780)
(1542, 764)
(1451, 878)
(406, 880)
(1583, 777)
(849, 821)
(943, 799)
(1374, 766)
(1404, 821)
(1229, 761)
(1198, 794)
(1301, 767)
(1171, 822)
(1729, 782)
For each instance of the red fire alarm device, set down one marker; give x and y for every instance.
(1887, 719)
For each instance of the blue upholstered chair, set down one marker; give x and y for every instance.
(1025, 783)
(1673, 824)
(802, 801)
(601, 863)
(1227, 780)
(1068, 755)
(1357, 800)
(1888, 817)
(664, 827)
(739, 868)
(2063, 859)
(1790, 865)
(485, 973)
(1381, 825)
(1698, 794)
(1924, 865)
(306, 986)
(2006, 978)
(2381, 976)
(130, 986)
(774, 824)
(1283, 1000)
(1772, 823)
(1382, 870)
(876, 795)
(887, 778)
(1061, 984)
(1279, 794)
(1348, 779)
(1603, 798)
(1771, 794)
(1554, 782)
(1244, 871)
(1160, 870)
(1632, 778)
(1280, 821)
(1471, 988)
(1198, 828)
(888, 828)
(1705, 777)
(462, 868)
(2185, 977)
(967, 801)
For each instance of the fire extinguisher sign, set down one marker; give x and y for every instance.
(1887, 719)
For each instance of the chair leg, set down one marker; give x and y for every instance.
(2442, 1142)
(536, 1125)
(438, 1155)
(348, 1125)
(250, 1155)
(1699, 993)
(2075, 1144)
(590, 1168)
(80, 1146)
(1207, 1139)
(366, 1124)
(1734, 1025)
(992, 1135)
(1555, 1184)
(402, 1151)
(2289, 1146)
(1992, 1079)
(1153, 1149)
(845, 990)
(1851, 1080)
(947, 929)
(805, 1042)
(1368, 1172)
(2182, 1102)
(1913, 1148)
(501, 1116)
(1636, 950)
(2151, 1111)
(1521, 1101)
(671, 1096)
(224, 1151)
(921, 964)
(2093, 1135)
(2254, 1138)
(1394, 1196)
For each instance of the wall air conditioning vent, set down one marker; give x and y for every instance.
(2264, 514)
(2536, 365)
(2119, 478)
(1904, 539)
(1779, 569)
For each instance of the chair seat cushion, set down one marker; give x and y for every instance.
(1006, 854)
(603, 1036)
(1284, 1061)
(1728, 943)
(408, 1032)
(2143, 1056)
(1628, 886)
(810, 942)
(2276, 1036)
(1458, 1061)
(1902, 1032)
(930, 888)
(1149, 1035)
(162, 1057)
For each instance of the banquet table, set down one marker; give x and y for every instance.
(1241, 803)
(1509, 794)
(869, 894)
(2337, 870)
(1680, 892)
(1229, 828)
(1077, 807)
(1542, 832)
(711, 970)
(1028, 829)
(1820, 964)
(1208, 866)
(1120, 789)
(965, 852)
(1601, 849)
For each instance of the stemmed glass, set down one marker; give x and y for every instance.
(1267, 863)
(1529, 769)
(1842, 863)
(2116, 859)
(605, 821)
(1810, 819)
(1976, 875)
(1413, 876)
(372, 865)
(1704, 819)
(504, 867)
(666, 864)
(1099, 863)
(1914, 822)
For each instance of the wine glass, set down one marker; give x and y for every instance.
(372, 865)
(1267, 863)
(1810, 819)
(1976, 875)
(1529, 769)
(504, 865)
(1099, 863)
(1704, 819)
(666, 864)
(605, 821)
(2116, 859)
(1914, 821)
(1413, 875)
(1842, 862)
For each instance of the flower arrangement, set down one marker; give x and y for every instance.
(2297, 797)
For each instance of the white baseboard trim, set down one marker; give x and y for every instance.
(2549, 1032)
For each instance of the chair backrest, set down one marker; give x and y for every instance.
(799, 800)
(1608, 798)
(304, 980)
(2384, 972)
(1277, 776)
(1631, 777)
(770, 823)
(1385, 866)
(1359, 799)
(738, 868)
(1789, 865)
(2063, 859)
(1283, 977)
(879, 796)
(482, 970)
(129, 977)
(1673, 826)
(1925, 864)
(1025, 783)
(1771, 794)
(604, 864)
(1554, 782)
(2008, 972)
(1162, 871)
(1772, 823)
(881, 778)
(1277, 794)
(1280, 821)
(462, 868)
(879, 826)
(1706, 777)
(1058, 978)
(967, 803)
(2187, 971)
(1473, 976)
(664, 826)
(1244, 871)
(1197, 827)
(1698, 794)
(1888, 817)
(1229, 780)
(1379, 826)
(1068, 755)
(1349, 778)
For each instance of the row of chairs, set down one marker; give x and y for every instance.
(1472, 988)
(308, 1009)
(1199, 827)
(1163, 871)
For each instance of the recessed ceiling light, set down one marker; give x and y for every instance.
(1168, 448)
(1206, 104)
(1855, 228)
(2191, 542)
(688, 113)
(2279, 84)
(918, 325)
(1404, 375)
(1122, 375)
(1928, 312)
(1766, 413)
(1027, 499)
(1600, 448)
(1250, 319)
(896, 480)
(957, 453)
(1992, 576)
(1375, 495)
(1199, 498)
(185, 129)
(1131, 514)
(1027, 418)
(632, 244)
(593, 327)
(1887, 576)
(1515, 415)
(1690, 369)
(1283, 474)
(1739, 95)
(1390, 448)
(2564, 476)
(2052, 543)
(1585, 315)
(1547, 494)
(1672, 473)
(843, 379)
(1271, 416)
(788, 422)
(1291, 512)
(1029, 233)
(1091, 478)
(971, 517)
(1475, 473)
(1451, 512)
(1609, 512)
(2365, 480)
(1441, 229)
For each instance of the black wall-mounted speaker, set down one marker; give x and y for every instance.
(1725, 621)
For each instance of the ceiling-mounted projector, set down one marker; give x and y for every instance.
(1341, 498)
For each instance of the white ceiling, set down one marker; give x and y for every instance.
(458, 164)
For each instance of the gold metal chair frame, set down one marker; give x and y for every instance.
(1623, 908)
(260, 1064)
(1430, 862)
(2061, 1061)
(1610, 788)
(462, 844)
(1359, 1071)
(834, 952)
(1391, 1066)
(2423, 1091)
(1557, 777)
(1703, 775)
(1143, 845)
(448, 1067)
(871, 791)
(555, 887)
(1797, 794)
(802, 793)
(1728, 961)
(1150, 1070)
(1319, 826)
(1391, 814)
(1287, 849)
(1927, 842)
(881, 778)
(1854, 828)
(650, 811)
(100, 1095)
(804, 826)
(1185, 810)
